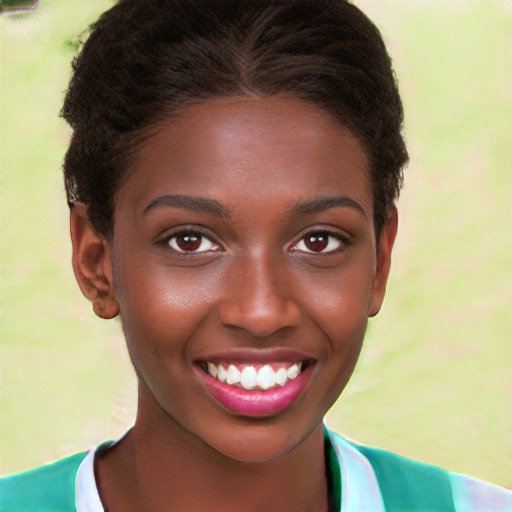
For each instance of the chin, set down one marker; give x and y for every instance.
(258, 442)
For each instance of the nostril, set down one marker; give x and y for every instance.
(258, 297)
(260, 322)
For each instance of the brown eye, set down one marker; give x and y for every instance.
(189, 242)
(320, 242)
(316, 242)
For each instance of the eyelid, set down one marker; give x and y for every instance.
(188, 229)
(344, 240)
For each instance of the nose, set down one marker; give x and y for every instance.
(259, 298)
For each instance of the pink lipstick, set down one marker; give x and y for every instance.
(255, 402)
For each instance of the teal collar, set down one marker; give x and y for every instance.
(333, 472)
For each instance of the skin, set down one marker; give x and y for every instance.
(254, 285)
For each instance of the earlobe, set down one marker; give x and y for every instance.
(385, 248)
(92, 263)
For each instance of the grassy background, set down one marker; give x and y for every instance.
(435, 378)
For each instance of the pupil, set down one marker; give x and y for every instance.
(188, 242)
(316, 242)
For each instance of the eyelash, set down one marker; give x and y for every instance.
(329, 237)
(190, 233)
(344, 242)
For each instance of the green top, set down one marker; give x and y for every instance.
(49, 488)
(361, 479)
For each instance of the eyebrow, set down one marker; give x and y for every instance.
(214, 207)
(202, 204)
(320, 204)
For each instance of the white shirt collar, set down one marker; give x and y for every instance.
(360, 489)
(359, 486)
(87, 498)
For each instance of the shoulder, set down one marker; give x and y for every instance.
(407, 485)
(46, 488)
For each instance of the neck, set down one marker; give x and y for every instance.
(159, 463)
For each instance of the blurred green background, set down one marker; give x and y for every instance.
(435, 377)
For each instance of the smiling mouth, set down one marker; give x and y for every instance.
(255, 377)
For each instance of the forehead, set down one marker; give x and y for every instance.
(259, 148)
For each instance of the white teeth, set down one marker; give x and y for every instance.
(249, 378)
(212, 370)
(281, 376)
(293, 371)
(233, 376)
(221, 373)
(266, 377)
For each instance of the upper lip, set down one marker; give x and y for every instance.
(256, 356)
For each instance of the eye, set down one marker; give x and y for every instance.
(191, 242)
(321, 242)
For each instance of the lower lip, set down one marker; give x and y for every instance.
(254, 403)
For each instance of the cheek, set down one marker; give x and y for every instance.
(340, 302)
(161, 308)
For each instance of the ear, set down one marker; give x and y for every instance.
(92, 263)
(384, 249)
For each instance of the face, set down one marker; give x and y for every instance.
(245, 268)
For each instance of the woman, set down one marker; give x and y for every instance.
(231, 178)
